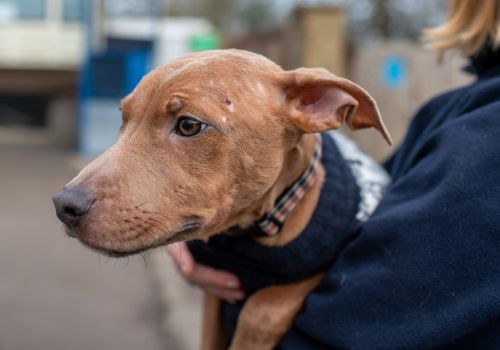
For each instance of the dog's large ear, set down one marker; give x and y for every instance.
(319, 101)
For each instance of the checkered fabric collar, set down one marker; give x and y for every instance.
(273, 221)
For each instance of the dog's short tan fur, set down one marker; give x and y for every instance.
(155, 187)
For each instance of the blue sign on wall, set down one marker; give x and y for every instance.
(394, 71)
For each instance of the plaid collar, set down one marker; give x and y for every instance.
(273, 221)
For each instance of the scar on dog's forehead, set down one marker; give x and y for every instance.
(198, 88)
(174, 104)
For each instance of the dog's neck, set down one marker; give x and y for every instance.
(297, 161)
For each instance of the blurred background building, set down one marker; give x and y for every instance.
(65, 65)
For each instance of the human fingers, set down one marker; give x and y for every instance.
(180, 254)
(229, 295)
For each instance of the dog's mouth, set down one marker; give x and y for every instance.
(117, 249)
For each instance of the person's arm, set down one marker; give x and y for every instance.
(424, 271)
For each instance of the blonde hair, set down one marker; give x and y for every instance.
(470, 25)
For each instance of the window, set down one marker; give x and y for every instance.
(126, 8)
(72, 10)
(22, 10)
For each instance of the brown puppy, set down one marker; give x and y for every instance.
(209, 142)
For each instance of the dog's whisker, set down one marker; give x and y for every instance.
(144, 257)
(126, 264)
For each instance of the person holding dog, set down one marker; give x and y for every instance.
(424, 271)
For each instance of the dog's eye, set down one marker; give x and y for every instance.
(187, 126)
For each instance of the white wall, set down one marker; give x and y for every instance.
(41, 45)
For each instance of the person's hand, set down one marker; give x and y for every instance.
(221, 283)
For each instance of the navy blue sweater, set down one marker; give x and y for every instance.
(424, 271)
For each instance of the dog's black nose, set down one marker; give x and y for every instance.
(71, 205)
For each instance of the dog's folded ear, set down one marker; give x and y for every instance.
(320, 101)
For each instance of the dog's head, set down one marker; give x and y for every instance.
(204, 140)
